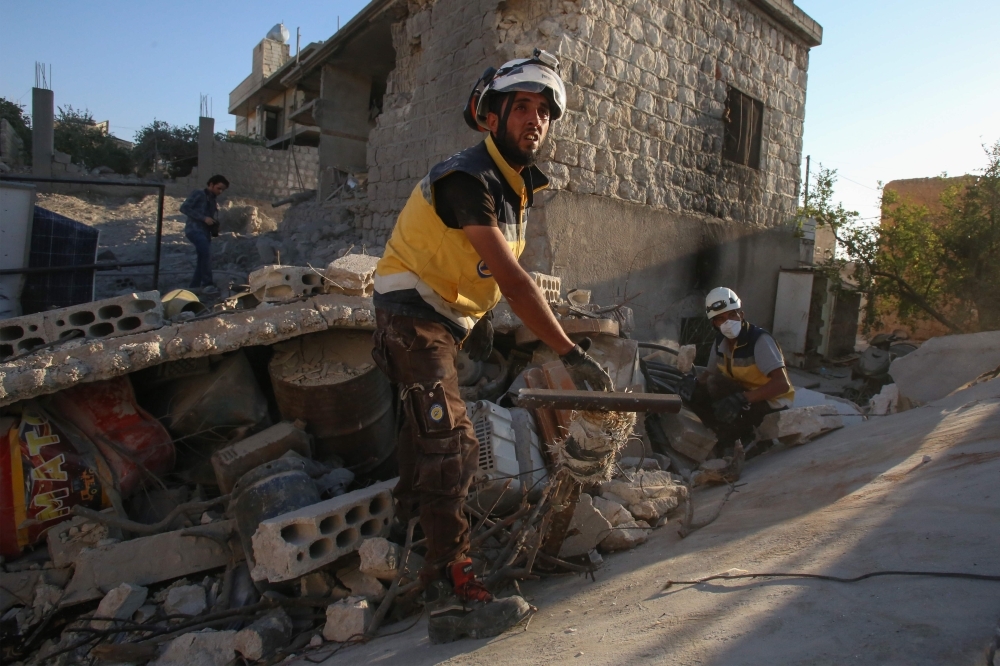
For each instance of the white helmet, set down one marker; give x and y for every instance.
(721, 299)
(537, 74)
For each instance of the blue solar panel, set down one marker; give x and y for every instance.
(57, 240)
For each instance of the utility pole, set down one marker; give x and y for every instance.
(805, 199)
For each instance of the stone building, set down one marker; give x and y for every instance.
(676, 167)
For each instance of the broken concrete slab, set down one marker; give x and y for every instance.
(625, 536)
(264, 636)
(943, 364)
(121, 603)
(688, 435)
(352, 274)
(652, 510)
(295, 543)
(77, 361)
(347, 619)
(233, 461)
(188, 600)
(361, 584)
(199, 648)
(321, 584)
(613, 511)
(799, 425)
(885, 402)
(381, 558)
(587, 528)
(18, 588)
(643, 485)
(67, 539)
(850, 413)
(148, 560)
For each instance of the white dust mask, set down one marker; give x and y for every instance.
(731, 328)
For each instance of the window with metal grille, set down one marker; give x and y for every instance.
(744, 124)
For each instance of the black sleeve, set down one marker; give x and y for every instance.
(462, 200)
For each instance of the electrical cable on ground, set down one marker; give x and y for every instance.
(837, 579)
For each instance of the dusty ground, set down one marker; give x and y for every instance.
(860, 499)
(306, 234)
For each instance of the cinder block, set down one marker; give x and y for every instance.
(22, 334)
(112, 317)
(295, 543)
(281, 283)
(550, 285)
(352, 274)
(233, 461)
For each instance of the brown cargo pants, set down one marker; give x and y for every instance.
(437, 451)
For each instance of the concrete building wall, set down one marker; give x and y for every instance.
(647, 83)
(641, 198)
(259, 173)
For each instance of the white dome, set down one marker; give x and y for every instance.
(279, 33)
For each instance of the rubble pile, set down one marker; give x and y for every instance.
(220, 486)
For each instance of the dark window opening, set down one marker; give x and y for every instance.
(744, 125)
(272, 128)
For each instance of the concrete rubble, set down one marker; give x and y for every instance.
(347, 619)
(264, 511)
(800, 424)
(944, 364)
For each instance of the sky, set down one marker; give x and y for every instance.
(898, 89)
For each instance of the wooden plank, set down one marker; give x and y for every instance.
(598, 401)
(546, 418)
(558, 378)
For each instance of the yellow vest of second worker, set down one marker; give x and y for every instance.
(740, 364)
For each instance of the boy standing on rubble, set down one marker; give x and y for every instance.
(202, 210)
(453, 252)
(746, 378)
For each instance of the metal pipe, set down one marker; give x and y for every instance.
(81, 267)
(598, 401)
(159, 238)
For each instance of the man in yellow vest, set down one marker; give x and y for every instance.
(453, 252)
(745, 379)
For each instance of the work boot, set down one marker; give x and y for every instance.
(462, 606)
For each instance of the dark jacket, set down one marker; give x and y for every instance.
(199, 205)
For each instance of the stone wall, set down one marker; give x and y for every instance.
(646, 80)
(260, 173)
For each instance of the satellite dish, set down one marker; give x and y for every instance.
(279, 33)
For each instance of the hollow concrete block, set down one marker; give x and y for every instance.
(295, 543)
(280, 283)
(111, 317)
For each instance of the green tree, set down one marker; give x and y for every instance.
(895, 264)
(915, 264)
(160, 146)
(972, 242)
(77, 135)
(19, 121)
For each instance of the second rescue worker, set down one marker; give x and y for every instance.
(453, 252)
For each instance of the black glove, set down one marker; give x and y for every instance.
(727, 409)
(479, 344)
(584, 370)
(687, 387)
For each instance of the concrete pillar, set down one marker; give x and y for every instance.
(42, 132)
(342, 116)
(206, 149)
